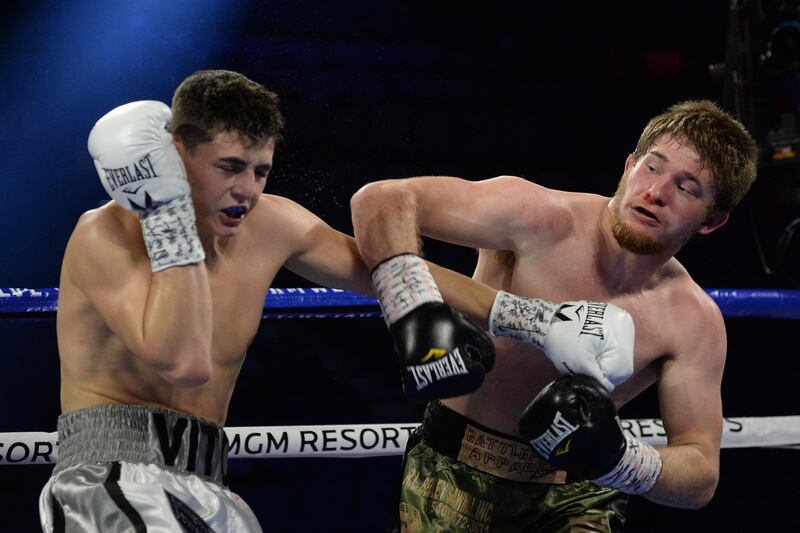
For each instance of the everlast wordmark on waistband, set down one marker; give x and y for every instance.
(180, 452)
(142, 170)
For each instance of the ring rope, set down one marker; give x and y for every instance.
(734, 303)
(373, 440)
(381, 440)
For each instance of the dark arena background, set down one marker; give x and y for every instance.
(375, 90)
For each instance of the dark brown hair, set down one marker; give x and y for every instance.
(209, 102)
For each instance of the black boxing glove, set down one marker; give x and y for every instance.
(572, 424)
(442, 352)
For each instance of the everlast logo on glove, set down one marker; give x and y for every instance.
(444, 353)
(560, 428)
(443, 366)
(592, 322)
(142, 170)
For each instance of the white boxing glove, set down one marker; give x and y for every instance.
(591, 338)
(142, 171)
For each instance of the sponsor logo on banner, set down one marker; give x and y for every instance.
(332, 440)
(20, 452)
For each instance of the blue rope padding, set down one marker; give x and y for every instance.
(734, 303)
(28, 300)
(315, 297)
(757, 303)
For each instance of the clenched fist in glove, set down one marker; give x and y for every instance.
(141, 170)
(581, 337)
(442, 352)
(572, 424)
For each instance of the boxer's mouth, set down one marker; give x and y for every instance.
(646, 213)
(237, 211)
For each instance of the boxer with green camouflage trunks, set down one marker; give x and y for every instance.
(602, 257)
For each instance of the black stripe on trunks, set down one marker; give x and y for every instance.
(112, 487)
(59, 524)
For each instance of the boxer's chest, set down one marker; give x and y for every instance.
(571, 275)
(238, 291)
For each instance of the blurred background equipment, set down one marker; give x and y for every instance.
(762, 88)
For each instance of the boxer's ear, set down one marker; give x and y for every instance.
(713, 222)
(179, 145)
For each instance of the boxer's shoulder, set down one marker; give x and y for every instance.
(680, 294)
(103, 229)
(280, 220)
(678, 304)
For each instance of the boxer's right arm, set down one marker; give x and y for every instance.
(158, 304)
(390, 215)
(443, 353)
(500, 214)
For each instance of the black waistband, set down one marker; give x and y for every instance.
(139, 434)
(484, 449)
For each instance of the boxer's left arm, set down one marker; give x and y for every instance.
(571, 423)
(315, 250)
(331, 258)
(691, 408)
